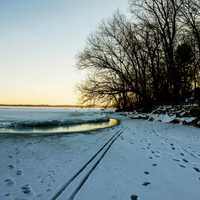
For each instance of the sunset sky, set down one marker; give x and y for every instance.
(39, 40)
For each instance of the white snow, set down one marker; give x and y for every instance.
(15, 114)
(153, 160)
(162, 117)
(23, 118)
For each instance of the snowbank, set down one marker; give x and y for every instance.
(187, 115)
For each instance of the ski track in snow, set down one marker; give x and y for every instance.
(103, 149)
(149, 161)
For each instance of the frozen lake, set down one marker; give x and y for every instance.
(30, 120)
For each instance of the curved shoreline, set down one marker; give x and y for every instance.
(41, 133)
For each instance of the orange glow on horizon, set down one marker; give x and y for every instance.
(39, 98)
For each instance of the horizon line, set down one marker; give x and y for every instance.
(51, 105)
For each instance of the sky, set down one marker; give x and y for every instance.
(39, 42)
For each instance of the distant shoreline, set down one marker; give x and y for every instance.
(51, 106)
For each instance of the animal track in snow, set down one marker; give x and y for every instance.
(10, 166)
(19, 172)
(184, 160)
(177, 160)
(183, 166)
(196, 169)
(146, 183)
(9, 182)
(134, 197)
(26, 189)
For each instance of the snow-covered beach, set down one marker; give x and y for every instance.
(148, 160)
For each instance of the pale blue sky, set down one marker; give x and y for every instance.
(39, 40)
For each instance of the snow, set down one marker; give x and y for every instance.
(162, 117)
(150, 160)
(12, 119)
(179, 114)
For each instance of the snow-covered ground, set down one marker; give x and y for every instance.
(148, 161)
(176, 114)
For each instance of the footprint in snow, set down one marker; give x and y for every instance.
(173, 148)
(10, 166)
(177, 160)
(182, 154)
(183, 166)
(26, 189)
(196, 169)
(134, 197)
(146, 172)
(184, 160)
(146, 183)
(154, 164)
(19, 172)
(9, 182)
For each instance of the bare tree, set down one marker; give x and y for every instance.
(151, 61)
(191, 18)
(129, 54)
(164, 16)
(107, 52)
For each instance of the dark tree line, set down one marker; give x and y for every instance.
(152, 60)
